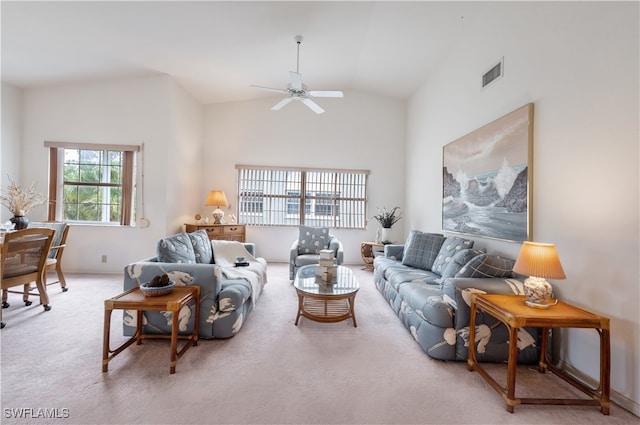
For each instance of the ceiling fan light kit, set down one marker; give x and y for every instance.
(297, 90)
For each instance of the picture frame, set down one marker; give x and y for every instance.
(487, 179)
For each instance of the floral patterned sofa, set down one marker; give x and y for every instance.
(428, 281)
(227, 293)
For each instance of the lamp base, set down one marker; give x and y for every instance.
(218, 215)
(538, 292)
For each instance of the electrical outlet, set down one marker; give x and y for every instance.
(104, 258)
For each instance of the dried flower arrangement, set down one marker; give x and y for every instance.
(388, 218)
(19, 200)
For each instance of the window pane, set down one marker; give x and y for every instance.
(330, 198)
(93, 185)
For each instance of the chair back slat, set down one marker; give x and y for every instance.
(59, 237)
(25, 251)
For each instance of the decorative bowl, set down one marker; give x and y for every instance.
(151, 291)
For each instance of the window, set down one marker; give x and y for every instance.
(91, 183)
(270, 196)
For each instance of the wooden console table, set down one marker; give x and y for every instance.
(512, 311)
(227, 232)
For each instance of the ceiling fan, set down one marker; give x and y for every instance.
(298, 91)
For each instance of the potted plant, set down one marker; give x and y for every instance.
(387, 218)
(20, 201)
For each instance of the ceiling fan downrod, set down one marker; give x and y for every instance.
(298, 39)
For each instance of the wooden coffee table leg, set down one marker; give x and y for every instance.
(352, 301)
(300, 307)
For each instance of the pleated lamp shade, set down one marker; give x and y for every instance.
(217, 199)
(539, 260)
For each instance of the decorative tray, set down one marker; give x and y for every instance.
(155, 291)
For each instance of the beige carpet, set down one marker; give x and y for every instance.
(271, 372)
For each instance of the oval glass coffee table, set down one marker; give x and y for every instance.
(326, 302)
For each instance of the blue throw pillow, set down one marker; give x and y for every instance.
(313, 239)
(176, 249)
(421, 249)
(201, 246)
(459, 260)
(451, 246)
(487, 265)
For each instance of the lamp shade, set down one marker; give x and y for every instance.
(216, 198)
(539, 260)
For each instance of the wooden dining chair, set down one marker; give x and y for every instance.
(23, 259)
(59, 242)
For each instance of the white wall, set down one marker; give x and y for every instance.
(187, 153)
(357, 132)
(10, 153)
(132, 111)
(578, 63)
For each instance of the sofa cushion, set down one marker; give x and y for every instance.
(459, 260)
(449, 248)
(176, 249)
(487, 265)
(398, 276)
(421, 249)
(201, 246)
(427, 301)
(313, 239)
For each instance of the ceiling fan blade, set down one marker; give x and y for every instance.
(312, 105)
(269, 88)
(280, 104)
(325, 93)
(296, 80)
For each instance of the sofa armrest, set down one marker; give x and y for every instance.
(337, 247)
(207, 276)
(491, 335)
(234, 293)
(394, 251)
(293, 251)
(251, 247)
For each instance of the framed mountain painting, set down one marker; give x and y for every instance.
(486, 181)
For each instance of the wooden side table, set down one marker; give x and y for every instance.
(367, 251)
(134, 299)
(512, 311)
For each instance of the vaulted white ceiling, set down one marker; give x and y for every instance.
(216, 49)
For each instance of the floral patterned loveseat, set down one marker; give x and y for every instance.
(227, 293)
(428, 282)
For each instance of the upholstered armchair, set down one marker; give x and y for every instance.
(306, 249)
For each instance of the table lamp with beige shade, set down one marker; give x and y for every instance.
(217, 199)
(540, 262)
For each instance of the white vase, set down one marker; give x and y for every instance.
(385, 236)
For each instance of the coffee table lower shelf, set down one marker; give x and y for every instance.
(321, 309)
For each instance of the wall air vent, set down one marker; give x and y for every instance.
(493, 74)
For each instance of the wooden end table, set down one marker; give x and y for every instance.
(368, 253)
(134, 299)
(512, 311)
